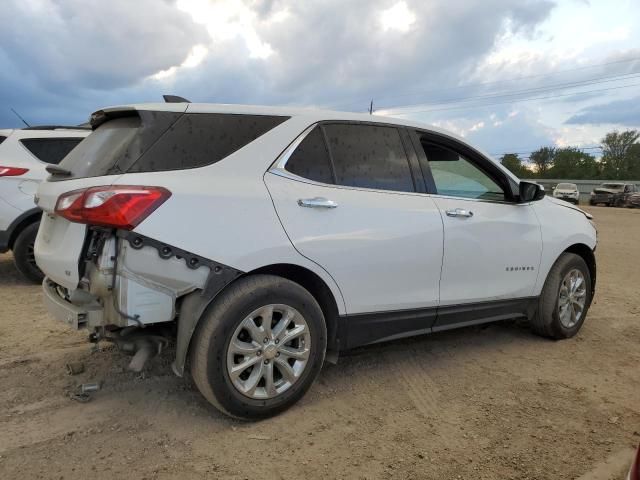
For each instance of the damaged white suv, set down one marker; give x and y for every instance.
(263, 240)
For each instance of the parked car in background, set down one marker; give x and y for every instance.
(24, 154)
(263, 240)
(568, 192)
(634, 200)
(613, 194)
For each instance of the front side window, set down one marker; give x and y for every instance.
(369, 156)
(50, 150)
(456, 176)
(310, 159)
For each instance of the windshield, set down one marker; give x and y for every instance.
(612, 186)
(566, 186)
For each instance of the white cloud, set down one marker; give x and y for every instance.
(195, 58)
(228, 19)
(398, 17)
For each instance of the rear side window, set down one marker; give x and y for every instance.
(369, 156)
(311, 159)
(51, 150)
(151, 141)
(2, 139)
(200, 139)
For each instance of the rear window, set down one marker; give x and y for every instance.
(161, 141)
(51, 150)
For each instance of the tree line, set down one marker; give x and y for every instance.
(620, 160)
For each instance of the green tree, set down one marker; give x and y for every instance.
(633, 162)
(573, 163)
(513, 162)
(619, 159)
(542, 160)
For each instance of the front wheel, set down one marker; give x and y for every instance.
(23, 254)
(259, 347)
(565, 298)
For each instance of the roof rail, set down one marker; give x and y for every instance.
(59, 127)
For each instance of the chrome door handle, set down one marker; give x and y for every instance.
(317, 202)
(459, 212)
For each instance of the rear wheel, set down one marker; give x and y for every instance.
(565, 298)
(259, 347)
(23, 254)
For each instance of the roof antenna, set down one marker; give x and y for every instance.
(18, 115)
(371, 107)
(174, 99)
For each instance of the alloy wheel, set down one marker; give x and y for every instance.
(268, 351)
(572, 298)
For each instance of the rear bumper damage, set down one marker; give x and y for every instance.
(154, 284)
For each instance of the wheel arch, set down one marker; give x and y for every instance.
(589, 257)
(20, 223)
(193, 305)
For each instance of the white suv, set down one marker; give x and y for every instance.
(24, 154)
(262, 239)
(567, 192)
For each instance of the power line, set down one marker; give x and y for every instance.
(508, 101)
(493, 82)
(559, 86)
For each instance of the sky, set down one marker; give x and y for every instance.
(508, 75)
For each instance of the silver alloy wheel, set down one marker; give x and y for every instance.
(268, 351)
(572, 298)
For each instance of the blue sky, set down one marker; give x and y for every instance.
(509, 75)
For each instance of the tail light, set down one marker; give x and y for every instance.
(117, 206)
(12, 171)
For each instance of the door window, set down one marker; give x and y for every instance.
(311, 159)
(369, 156)
(456, 176)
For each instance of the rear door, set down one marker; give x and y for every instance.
(492, 245)
(348, 200)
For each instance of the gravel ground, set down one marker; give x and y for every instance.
(491, 402)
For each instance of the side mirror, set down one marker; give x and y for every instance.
(530, 192)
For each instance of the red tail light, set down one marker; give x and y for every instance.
(12, 171)
(117, 206)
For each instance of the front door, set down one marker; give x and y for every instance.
(492, 245)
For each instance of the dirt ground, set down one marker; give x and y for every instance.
(481, 403)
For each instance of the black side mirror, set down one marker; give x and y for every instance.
(530, 192)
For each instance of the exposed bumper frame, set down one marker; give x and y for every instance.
(76, 316)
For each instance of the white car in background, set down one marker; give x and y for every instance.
(24, 155)
(263, 240)
(567, 192)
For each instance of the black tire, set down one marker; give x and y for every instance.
(546, 321)
(216, 328)
(23, 256)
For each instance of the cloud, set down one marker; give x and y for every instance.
(64, 58)
(619, 112)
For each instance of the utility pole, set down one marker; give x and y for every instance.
(371, 107)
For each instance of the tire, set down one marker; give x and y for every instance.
(23, 256)
(225, 320)
(548, 320)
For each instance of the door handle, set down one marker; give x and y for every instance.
(317, 202)
(459, 212)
